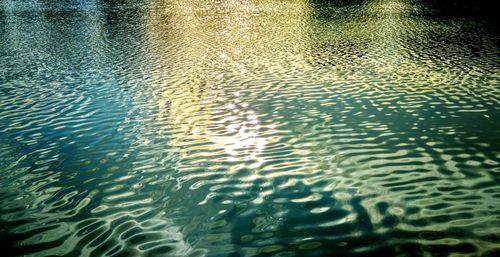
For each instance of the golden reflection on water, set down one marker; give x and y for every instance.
(200, 108)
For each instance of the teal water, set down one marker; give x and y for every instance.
(249, 128)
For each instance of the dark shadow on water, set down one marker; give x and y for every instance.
(444, 9)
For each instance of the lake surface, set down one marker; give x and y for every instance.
(249, 128)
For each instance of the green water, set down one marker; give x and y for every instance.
(249, 128)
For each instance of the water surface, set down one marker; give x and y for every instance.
(249, 128)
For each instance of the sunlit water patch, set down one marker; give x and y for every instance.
(249, 128)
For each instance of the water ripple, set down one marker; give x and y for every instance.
(248, 128)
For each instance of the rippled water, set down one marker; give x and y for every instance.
(249, 128)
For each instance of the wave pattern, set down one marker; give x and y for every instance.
(247, 128)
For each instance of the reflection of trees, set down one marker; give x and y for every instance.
(356, 38)
(386, 33)
(446, 9)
